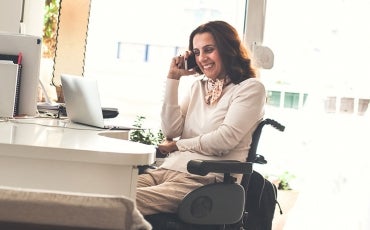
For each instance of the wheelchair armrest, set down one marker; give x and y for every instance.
(203, 167)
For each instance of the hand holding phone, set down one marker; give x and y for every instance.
(190, 62)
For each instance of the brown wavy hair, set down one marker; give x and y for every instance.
(234, 54)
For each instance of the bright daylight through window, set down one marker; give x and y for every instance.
(130, 46)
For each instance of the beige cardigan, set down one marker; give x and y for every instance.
(220, 131)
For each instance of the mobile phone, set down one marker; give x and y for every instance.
(190, 63)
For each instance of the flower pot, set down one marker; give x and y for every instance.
(286, 199)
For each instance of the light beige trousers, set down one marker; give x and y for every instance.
(161, 190)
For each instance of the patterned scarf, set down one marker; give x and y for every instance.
(214, 89)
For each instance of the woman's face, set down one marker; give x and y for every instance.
(207, 56)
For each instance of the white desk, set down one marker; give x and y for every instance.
(44, 154)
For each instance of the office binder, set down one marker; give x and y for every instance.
(10, 78)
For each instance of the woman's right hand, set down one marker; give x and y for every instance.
(167, 146)
(177, 67)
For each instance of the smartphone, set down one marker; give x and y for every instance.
(190, 63)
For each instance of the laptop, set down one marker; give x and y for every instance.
(82, 102)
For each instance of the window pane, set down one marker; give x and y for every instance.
(291, 100)
(273, 98)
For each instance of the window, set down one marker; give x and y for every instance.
(130, 45)
(291, 100)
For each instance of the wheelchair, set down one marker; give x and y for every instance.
(220, 205)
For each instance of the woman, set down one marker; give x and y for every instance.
(215, 120)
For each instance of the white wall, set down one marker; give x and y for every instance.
(10, 15)
(33, 17)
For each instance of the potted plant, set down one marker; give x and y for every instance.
(148, 137)
(145, 136)
(284, 180)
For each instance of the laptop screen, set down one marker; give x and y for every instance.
(82, 100)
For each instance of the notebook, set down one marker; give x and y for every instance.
(8, 94)
(82, 102)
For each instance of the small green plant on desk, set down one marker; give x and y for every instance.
(145, 136)
(148, 137)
